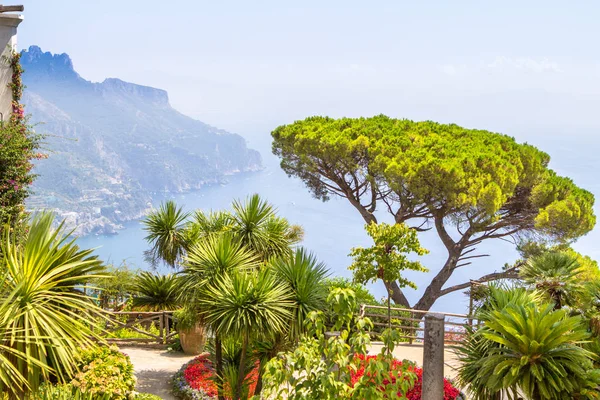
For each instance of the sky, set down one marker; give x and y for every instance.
(528, 69)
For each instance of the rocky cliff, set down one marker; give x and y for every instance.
(114, 145)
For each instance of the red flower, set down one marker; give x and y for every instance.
(199, 375)
(450, 392)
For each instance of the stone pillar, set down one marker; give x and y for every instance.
(8, 44)
(433, 358)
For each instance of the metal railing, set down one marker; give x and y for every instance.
(142, 323)
(410, 321)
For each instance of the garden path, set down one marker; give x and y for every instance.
(154, 368)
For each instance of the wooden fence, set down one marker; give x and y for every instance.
(411, 322)
(143, 323)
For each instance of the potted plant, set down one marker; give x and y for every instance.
(191, 330)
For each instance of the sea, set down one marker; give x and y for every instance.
(333, 228)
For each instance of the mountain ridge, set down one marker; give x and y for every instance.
(116, 145)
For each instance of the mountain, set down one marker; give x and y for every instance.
(114, 145)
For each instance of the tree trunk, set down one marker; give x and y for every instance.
(396, 294)
(432, 293)
(242, 368)
(219, 366)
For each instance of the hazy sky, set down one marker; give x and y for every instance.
(237, 64)
(530, 69)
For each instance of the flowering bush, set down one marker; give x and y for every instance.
(194, 381)
(105, 370)
(397, 371)
(19, 146)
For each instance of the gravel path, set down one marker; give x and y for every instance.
(154, 368)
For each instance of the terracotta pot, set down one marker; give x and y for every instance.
(193, 339)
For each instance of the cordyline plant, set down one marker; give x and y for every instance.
(44, 316)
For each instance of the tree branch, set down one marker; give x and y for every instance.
(511, 273)
(476, 256)
(439, 226)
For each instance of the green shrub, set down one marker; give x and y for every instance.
(64, 392)
(186, 318)
(127, 333)
(147, 396)
(105, 370)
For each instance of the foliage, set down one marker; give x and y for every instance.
(165, 228)
(156, 292)
(126, 333)
(213, 257)
(257, 226)
(186, 317)
(64, 392)
(246, 303)
(387, 258)
(529, 348)
(363, 296)
(12, 378)
(235, 256)
(19, 146)
(116, 285)
(472, 185)
(337, 367)
(253, 222)
(305, 278)
(44, 314)
(104, 370)
(557, 276)
(147, 396)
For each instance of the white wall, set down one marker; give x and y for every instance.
(8, 43)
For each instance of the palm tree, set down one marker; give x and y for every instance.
(246, 303)
(257, 226)
(207, 262)
(156, 292)
(204, 224)
(557, 275)
(166, 232)
(42, 302)
(305, 277)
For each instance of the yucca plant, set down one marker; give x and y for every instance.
(46, 317)
(156, 292)
(306, 278)
(206, 263)
(245, 304)
(205, 224)
(166, 232)
(257, 226)
(12, 379)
